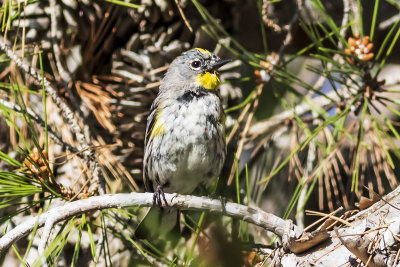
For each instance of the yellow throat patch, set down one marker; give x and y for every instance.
(208, 80)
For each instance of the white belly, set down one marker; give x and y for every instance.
(196, 149)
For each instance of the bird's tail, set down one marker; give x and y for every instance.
(157, 223)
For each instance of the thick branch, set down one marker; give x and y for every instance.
(283, 228)
(379, 225)
(359, 245)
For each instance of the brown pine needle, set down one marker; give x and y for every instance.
(333, 217)
(245, 131)
(183, 16)
(321, 219)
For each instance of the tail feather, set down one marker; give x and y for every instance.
(157, 223)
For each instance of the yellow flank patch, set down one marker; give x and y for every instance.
(208, 80)
(158, 127)
(223, 122)
(204, 51)
(223, 118)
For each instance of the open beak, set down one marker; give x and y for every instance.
(219, 63)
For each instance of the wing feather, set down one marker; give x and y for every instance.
(151, 120)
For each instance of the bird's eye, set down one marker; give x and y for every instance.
(196, 64)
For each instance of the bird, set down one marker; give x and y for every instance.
(185, 133)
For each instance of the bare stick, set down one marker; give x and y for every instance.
(283, 228)
(48, 226)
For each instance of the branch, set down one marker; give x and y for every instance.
(58, 140)
(66, 112)
(359, 247)
(48, 226)
(283, 228)
(278, 120)
(56, 34)
(378, 226)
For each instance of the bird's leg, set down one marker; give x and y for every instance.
(159, 196)
(155, 198)
(223, 203)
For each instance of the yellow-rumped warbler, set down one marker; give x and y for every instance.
(185, 133)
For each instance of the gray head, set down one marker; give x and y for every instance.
(197, 66)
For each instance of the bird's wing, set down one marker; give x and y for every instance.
(147, 142)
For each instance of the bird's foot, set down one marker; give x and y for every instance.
(223, 203)
(159, 196)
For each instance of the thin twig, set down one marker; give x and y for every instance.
(389, 22)
(58, 140)
(245, 130)
(66, 112)
(345, 20)
(239, 120)
(365, 232)
(380, 198)
(397, 257)
(289, 36)
(359, 247)
(311, 156)
(98, 183)
(327, 252)
(279, 120)
(48, 226)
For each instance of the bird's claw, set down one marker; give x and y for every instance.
(159, 196)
